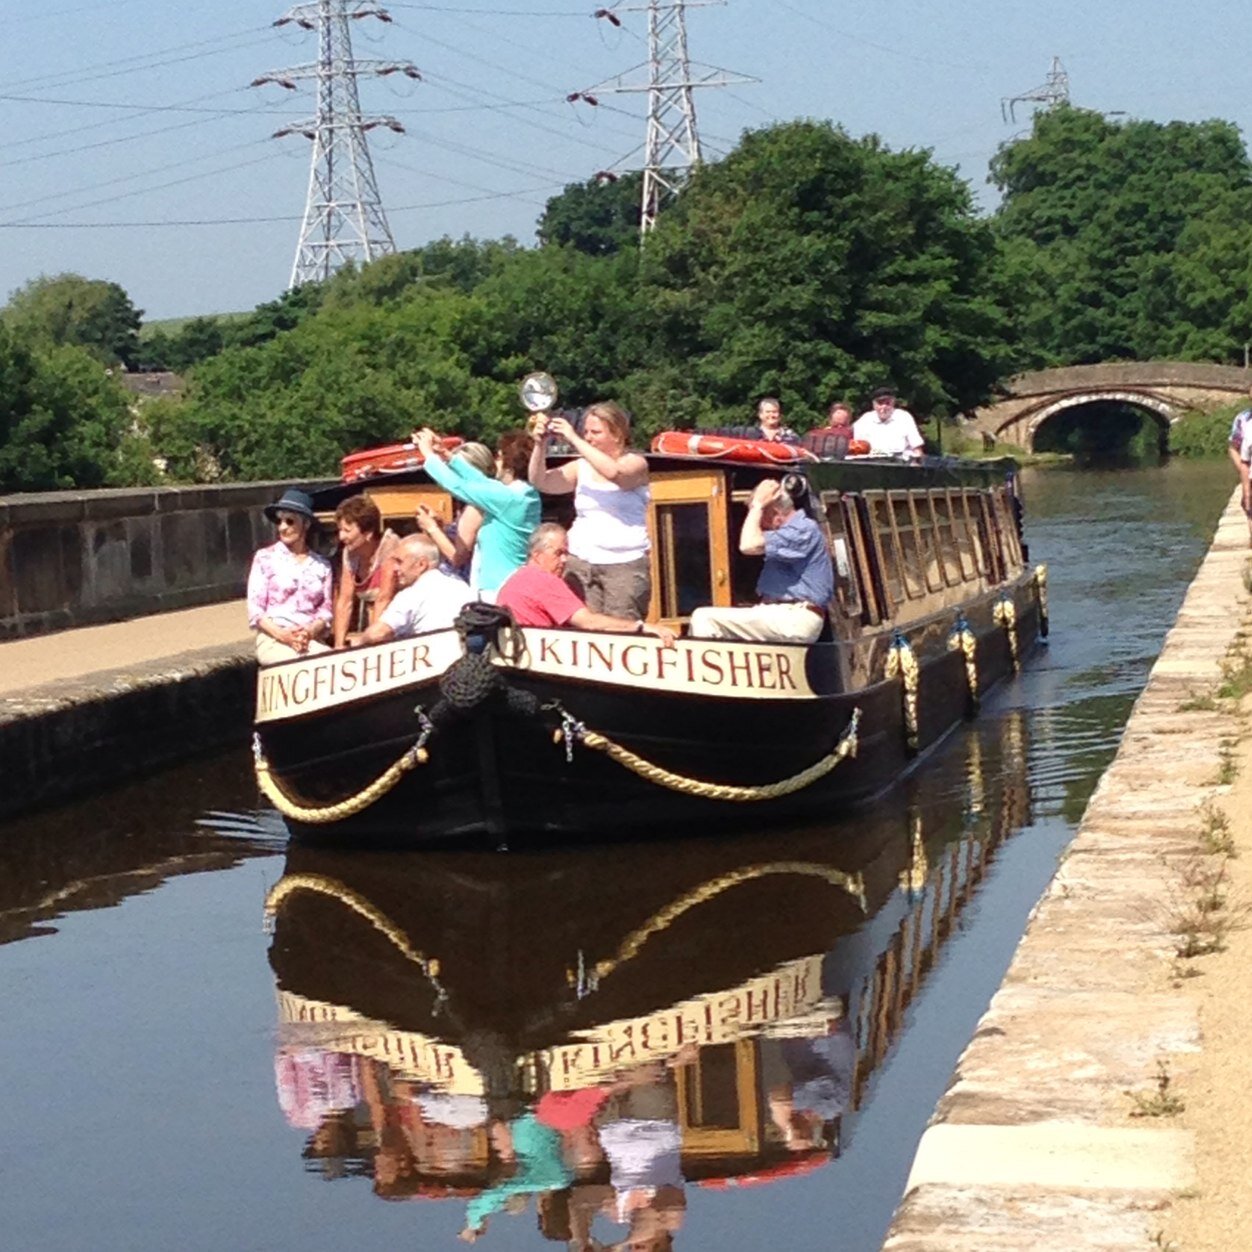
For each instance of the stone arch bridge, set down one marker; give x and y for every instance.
(1165, 390)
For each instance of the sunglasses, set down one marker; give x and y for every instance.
(289, 519)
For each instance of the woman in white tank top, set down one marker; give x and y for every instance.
(609, 566)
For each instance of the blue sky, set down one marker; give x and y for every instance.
(128, 133)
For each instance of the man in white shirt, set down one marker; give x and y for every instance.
(888, 431)
(428, 598)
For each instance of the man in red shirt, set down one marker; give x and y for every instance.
(538, 596)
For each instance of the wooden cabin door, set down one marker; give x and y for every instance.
(689, 525)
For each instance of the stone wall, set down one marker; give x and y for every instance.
(77, 558)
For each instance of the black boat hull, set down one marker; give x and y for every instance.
(502, 770)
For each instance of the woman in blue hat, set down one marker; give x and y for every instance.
(290, 600)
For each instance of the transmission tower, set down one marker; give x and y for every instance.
(343, 214)
(672, 141)
(1053, 93)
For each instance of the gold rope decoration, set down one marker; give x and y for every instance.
(1005, 614)
(902, 660)
(963, 637)
(319, 884)
(1041, 594)
(633, 943)
(706, 790)
(322, 814)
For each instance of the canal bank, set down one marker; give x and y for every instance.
(1065, 1124)
(85, 708)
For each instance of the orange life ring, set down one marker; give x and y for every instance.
(392, 458)
(728, 448)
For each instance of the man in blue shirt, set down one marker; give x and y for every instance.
(796, 582)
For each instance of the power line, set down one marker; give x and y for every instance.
(521, 192)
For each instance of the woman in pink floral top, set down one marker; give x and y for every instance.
(289, 586)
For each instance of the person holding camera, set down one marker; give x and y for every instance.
(796, 582)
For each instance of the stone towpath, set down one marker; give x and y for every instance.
(1067, 1124)
(72, 656)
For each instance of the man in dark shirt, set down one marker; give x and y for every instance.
(796, 582)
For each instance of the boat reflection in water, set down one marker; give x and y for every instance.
(593, 1034)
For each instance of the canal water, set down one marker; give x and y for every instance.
(211, 1042)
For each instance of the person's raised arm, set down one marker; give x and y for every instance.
(752, 535)
(429, 524)
(552, 482)
(628, 471)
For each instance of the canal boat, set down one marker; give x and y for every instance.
(489, 731)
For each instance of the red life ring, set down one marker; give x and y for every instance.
(392, 458)
(728, 448)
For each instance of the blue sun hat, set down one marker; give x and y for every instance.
(293, 501)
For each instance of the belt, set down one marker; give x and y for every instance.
(804, 604)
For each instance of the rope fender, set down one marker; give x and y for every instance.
(902, 660)
(1005, 614)
(573, 731)
(1041, 594)
(963, 637)
(321, 815)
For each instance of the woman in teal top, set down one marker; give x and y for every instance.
(540, 1167)
(509, 504)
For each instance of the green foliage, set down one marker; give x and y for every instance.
(599, 217)
(1203, 434)
(1126, 240)
(71, 310)
(809, 264)
(64, 422)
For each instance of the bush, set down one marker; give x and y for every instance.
(1203, 434)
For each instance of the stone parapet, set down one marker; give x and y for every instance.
(1036, 1143)
(78, 558)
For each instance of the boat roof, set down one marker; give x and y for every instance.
(853, 474)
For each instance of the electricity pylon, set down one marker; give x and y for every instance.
(672, 140)
(1053, 93)
(343, 213)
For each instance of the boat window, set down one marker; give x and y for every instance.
(718, 1106)
(857, 529)
(844, 555)
(927, 538)
(912, 562)
(985, 528)
(690, 559)
(890, 559)
(967, 545)
(1009, 538)
(682, 531)
(945, 538)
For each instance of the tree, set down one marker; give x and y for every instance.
(1119, 237)
(811, 265)
(71, 309)
(599, 217)
(64, 422)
